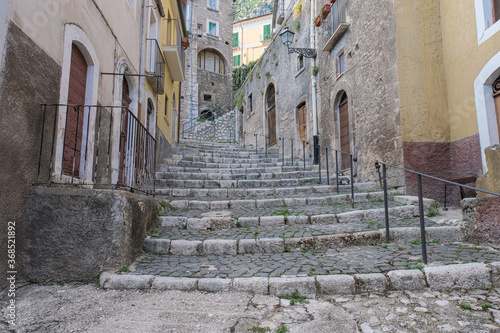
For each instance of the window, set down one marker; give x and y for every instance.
(300, 62)
(487, 15)
(200, 26)
(212, 4)
(211, 61)
(340, 64)
(186, 10)
(267, 32)
(491, 10)
(166, 104)
(235, 40)
(236, 60)
(250, 109)
(212, 29)
(207, 97)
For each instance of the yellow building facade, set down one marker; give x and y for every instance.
(250, 38)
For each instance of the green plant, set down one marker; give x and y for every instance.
(62, 283)
(297, 25)
(125, 269)
(287, 249)
(297, 9)
(282, 329)
(465, 305)
(315, 70)
(160, 213)
(163, 203)
(294, 298)
(268, 74)
(229, 205)
(431, 213)
(276, 63)
(415, 242)
(238, 224)
(97, 282)
(488, 287)
(283, 212)
(254, 304)
(418, 266)
(435, 241)
(407, 265)
(258, 329)
(486, 305)
(239, 99)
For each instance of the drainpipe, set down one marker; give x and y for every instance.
(141, 62)
(191, 110)
(313, 87)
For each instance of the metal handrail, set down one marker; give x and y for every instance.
(420, 200)
(304, 143)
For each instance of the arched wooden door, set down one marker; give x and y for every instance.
(126, 101)
(75, 115)
(344, 132)
(496, 97)
(271, 114)
(302, 116)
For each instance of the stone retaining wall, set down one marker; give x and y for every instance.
(222, 129)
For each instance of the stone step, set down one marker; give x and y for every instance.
(243, 175)
(230, 170)
(242, 183)
(286, 239)
(262, 192)
(192, 164)
(223, 160)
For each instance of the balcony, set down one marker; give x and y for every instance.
(155, 67)
(336, 24)
(173, 49)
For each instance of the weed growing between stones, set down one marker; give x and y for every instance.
(465, 305)
(282, 329)
(294, 298)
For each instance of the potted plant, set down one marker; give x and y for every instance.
(317, 21)
(185, 42)
(332, 1)
(326, 11)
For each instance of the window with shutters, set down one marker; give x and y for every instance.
(340, 64)
(212, 4)
(266, 32)
(236, 42)
(236, 60)
(212, 29)
(211, 61)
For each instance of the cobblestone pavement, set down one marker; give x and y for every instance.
(333, 208)
(85, 308)
(356, 259)
(286, 231)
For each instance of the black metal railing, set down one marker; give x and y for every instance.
(352, 159)
(155, 66)
(301, 144)
(420, 200)
(338, 15)
(80, 149)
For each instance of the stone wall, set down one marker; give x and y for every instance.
(75, 234)
(222, 129)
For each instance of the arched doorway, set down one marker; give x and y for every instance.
(75, 114)
(496, 97)
(271, 114)
(302, 121)
(344, 135)
(126, 101)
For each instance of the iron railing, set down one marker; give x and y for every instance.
(420, 200)
(79, 150)
(338, 15)
(299, 143)
(155, 66)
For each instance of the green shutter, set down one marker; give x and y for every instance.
(238, 60)
(235, 39)
(267, 32)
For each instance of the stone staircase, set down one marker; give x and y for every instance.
(234, 219)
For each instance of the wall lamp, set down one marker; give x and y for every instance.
(287, 39)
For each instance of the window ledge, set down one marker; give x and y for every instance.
(300, 71)
(339, 76)
(336, 36)
(212, 36)
(166, 120)
(213, 10)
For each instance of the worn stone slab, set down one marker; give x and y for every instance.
(173, 221)
(466, 276)
(271, 245)
(336, 284)
(294, 220)
(185, 247)
(214, 284)
(248, 183)
(412, 279)
(248, 246)
(156, 245)
(181, 192)
(116, 281)
(217, 193)
(179, 204)
(235, 204)
(272, 220)
(350, 217)
(200, 192)
(249, 221)
(270, 203)
(317, 201)
(294, 202)
(324, 219)
(495, 273)
(256, 285)
(220, 205)
(285, 191)
(219, 246)
(174, 283)
(305, 286)
(198, 224)
(369, 283)
(289, 182)
(297, 244)
(194, 204)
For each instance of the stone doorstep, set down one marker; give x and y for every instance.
(438, 278)
(278, 245)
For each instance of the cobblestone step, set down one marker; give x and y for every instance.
(262, 192)
(192, 164)
(244, 176)
(231, 170)
(224, 159)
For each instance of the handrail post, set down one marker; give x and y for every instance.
(267, 137)
(283, 151)
(41, 143)
(386, 204)
(444, 206)
(256, 150)
(352, 182)
(327, 168)
(319, 164)
(304, 153)
(337, 169)
(422, 219)
(292, 150)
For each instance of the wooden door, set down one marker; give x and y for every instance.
(126, 101)
(344, 133)
(303, 123)
(271, 114)
(75, 115)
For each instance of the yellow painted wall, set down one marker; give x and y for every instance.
(422, 80)
(463, 59)
(248, 37)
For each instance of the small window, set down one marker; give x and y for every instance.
(341, 64)
(267, 32)
(166, 104)
(212, 4)
(207, 98)
(250, 109)
(236, 60)
(212, 28)
(200, 26)
(235, 40)
(300, 62)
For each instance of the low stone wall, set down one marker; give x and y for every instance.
(221, 129)
(75, 234)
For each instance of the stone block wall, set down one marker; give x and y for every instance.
(222, 129)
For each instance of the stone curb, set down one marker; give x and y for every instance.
(279, 245)
(439, 278)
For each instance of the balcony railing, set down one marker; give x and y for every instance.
(173, 49)
(336, 24)
(155, 66)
